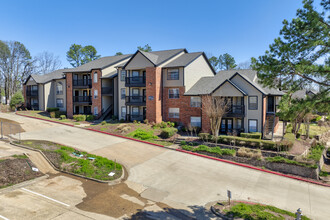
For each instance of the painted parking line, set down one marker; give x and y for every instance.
(38, 194)
(4, 218)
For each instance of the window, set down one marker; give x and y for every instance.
(174, 113)
(253, 102)
(123, 93)
(123, 112)
(135, 76)
(135, 111)
(173, 74)
(95, 77)
(34, 101)
(95, 94)
(135, 92)
(96, 111)
(195, 101)
(253, 125)
(34, 88)
(173, 93)
(196, 122)
(59, 103)
(239, 123)
(122, 75)
(59, 88)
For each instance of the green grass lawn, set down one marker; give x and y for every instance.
(45, 115)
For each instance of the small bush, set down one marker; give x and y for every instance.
(163, 124)
(79, 117)
(187, 147)
(62, 117)
(135, 122)
(256, 143)
(142, 134)
(90, 117)
(183, 129)
(279, 159)
(214, 150)
(52, 109)
(182, 143)
(170, 124)
(17, 99)
(52, 114)
(168, 132)
(315, 153)
(146, 121)
(205, 136)
(57, 114)
(103, 123)
(249, 153)
(253, 135)
(318, 118)
(122, 120)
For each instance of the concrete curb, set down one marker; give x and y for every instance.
(58, 122)
(112, 182)
(196, 154)
(252, 167)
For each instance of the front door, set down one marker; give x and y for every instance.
(85, 79)
(76, 109)
(226, 125)
(270, 104)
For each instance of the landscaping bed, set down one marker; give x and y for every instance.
(16, 169)
(250, 211)
(78, 162)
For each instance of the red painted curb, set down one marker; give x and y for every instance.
(44, 119)
(252, 167)
(116, 135)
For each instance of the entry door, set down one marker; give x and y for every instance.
(76, 109)
(226, 125)
(85, 78)
(76, 93)
(270, 104)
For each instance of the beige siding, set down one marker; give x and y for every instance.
(227, 90)
(169, 83)
(139, 62)
(115, 96)
(106, 71)
(195, 70)
(49, 98)
(63, 96)
(251, 91)
(121, 102)
(41, 97)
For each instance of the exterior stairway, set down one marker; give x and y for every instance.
(106, 113)
(269, 127)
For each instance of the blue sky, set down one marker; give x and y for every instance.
(242, 28)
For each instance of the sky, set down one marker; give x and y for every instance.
(242, 28)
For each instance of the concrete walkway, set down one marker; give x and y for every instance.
(185, 181)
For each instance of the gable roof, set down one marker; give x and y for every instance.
(184, 59)
(57, 74)
(157, 57)
(100, 63)
(207, 85)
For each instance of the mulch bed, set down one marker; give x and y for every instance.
(16, 170)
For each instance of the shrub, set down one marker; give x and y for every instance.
(315, 153)
(285, 145)
(52, 115)
(135, 122)
(62, 117)
(146, 121)
(279, 159)
(318, 118)
(253, 135)
(122, 120)
(90, 117)
(256, 143)
(250, 153)
(163, 124)
(57, 114)
(187, 147)
(52, 109)
(205, 136)
(214, 150)
(183, 129)
(168, 132)
(182, 143)
(17, 99)
(103, 123)
(170, 124)
(79, 117)
(114, 117)
(142, 134)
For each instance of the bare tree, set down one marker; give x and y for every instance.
(215, 108)
(46, 62)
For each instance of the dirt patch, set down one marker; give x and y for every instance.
(10, 127)
(299, 147)
(16, 170)
(54, 157)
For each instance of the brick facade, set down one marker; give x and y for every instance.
(69, 95)
(154, 94)
(206, 126)
(96, 102)
(183, 103)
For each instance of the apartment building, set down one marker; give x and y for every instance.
(167, 85)
(45, 91)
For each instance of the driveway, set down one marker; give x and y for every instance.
(185, 181)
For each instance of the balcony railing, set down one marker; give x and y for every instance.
(32, 92)
(82, 82)
(135, 100)
(138, 81)
(236, 110)
(132, 117)
(107, 91)
(86, 99)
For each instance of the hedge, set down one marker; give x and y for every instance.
(52, 109)
(79, 117)
(254, 135)
(168, 132)
(213, 150)
(90, 117)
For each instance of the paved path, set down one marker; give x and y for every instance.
(181, 180)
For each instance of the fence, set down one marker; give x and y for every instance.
(9, 130)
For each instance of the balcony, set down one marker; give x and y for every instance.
(107, 91)
(236, 111)
(135, 117)
(31, 92)
(135, 100)
(135, 81)
(83, 83)
(82, 99)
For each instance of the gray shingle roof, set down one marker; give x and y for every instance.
(184, 59)
(207, 85)
(100, 63)
(57, 74)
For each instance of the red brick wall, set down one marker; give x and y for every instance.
(206, 127)
(154, 89)
(183, 103)
(69, 91)
(276, 124)
(96, 86)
